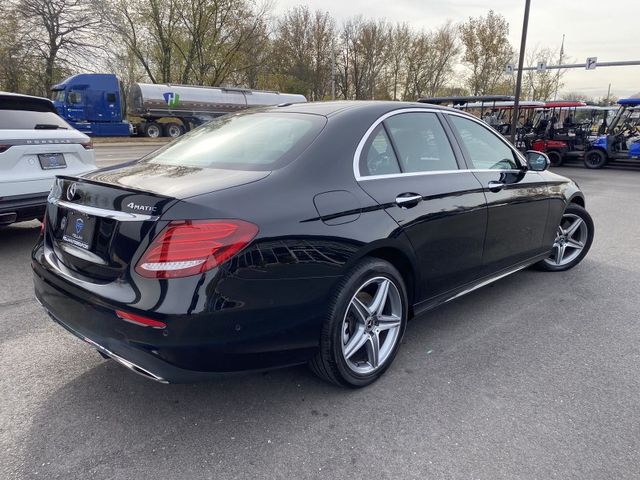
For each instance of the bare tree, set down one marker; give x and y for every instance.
(187, 41)
(62, 33)
(363, 56)
(219, 30)
(302, 50)
(487, 51)
(431, 58)
(347, 55)
(14, 52)
(163, 19)
(399, 39)
(542, 85)
(373, 41)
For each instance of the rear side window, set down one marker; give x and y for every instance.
(378, 157)
(421, 142)
(248, 141)
(30, 120)
(483, 147)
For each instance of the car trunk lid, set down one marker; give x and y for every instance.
(95, 229)
(98, 224)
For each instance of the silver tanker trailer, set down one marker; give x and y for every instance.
(195, 105)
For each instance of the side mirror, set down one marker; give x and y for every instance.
(537, 161)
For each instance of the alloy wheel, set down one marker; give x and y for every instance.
(571, 238)
(371, 325)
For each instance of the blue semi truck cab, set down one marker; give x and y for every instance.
(93, 103)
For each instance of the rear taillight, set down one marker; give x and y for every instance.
(88, 145)
(4, 148)
(190, 247)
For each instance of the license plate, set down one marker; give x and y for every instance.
(78, 229)
(49, 161)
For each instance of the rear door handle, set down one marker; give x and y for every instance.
(495, 186)
(408, 200)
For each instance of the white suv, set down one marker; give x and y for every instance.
(35, 146)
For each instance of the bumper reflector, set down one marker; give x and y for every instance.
(140, 320)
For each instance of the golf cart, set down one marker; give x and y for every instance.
(502, 114)
(622, 138)
(558, 132)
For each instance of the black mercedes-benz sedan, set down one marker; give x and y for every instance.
(296, 234)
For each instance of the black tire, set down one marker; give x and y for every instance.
(329, 363)
(152, 130)
(577, 210)
(555, 158)
(173, 130)
(595, 159)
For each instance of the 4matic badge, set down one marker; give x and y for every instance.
(141, 208)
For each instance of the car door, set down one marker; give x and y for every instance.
(409, 165)
(517, 199)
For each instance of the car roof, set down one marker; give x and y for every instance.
(332, 108)
(17, 101)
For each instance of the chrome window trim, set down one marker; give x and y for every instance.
(367, 134)
(104, 213)
(436, 172)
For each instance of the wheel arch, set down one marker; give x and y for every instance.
(577, 199)
(401, 261)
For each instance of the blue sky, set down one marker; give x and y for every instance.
(592, 28)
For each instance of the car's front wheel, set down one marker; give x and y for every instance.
(573, 240)
(367, 318)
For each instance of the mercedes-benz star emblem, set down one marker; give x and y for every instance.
(71, 192)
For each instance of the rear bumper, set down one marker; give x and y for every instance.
(25, 207)
(192, 347)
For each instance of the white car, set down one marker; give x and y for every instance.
(35, 146)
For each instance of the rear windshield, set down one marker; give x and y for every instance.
(30, 120)
(245, 141)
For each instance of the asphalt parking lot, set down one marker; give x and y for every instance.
(534, 377)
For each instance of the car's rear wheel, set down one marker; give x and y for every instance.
(573, 240)
(366, 321)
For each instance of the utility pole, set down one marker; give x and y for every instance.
(608, 93)
(523, 44)
(555, 95)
